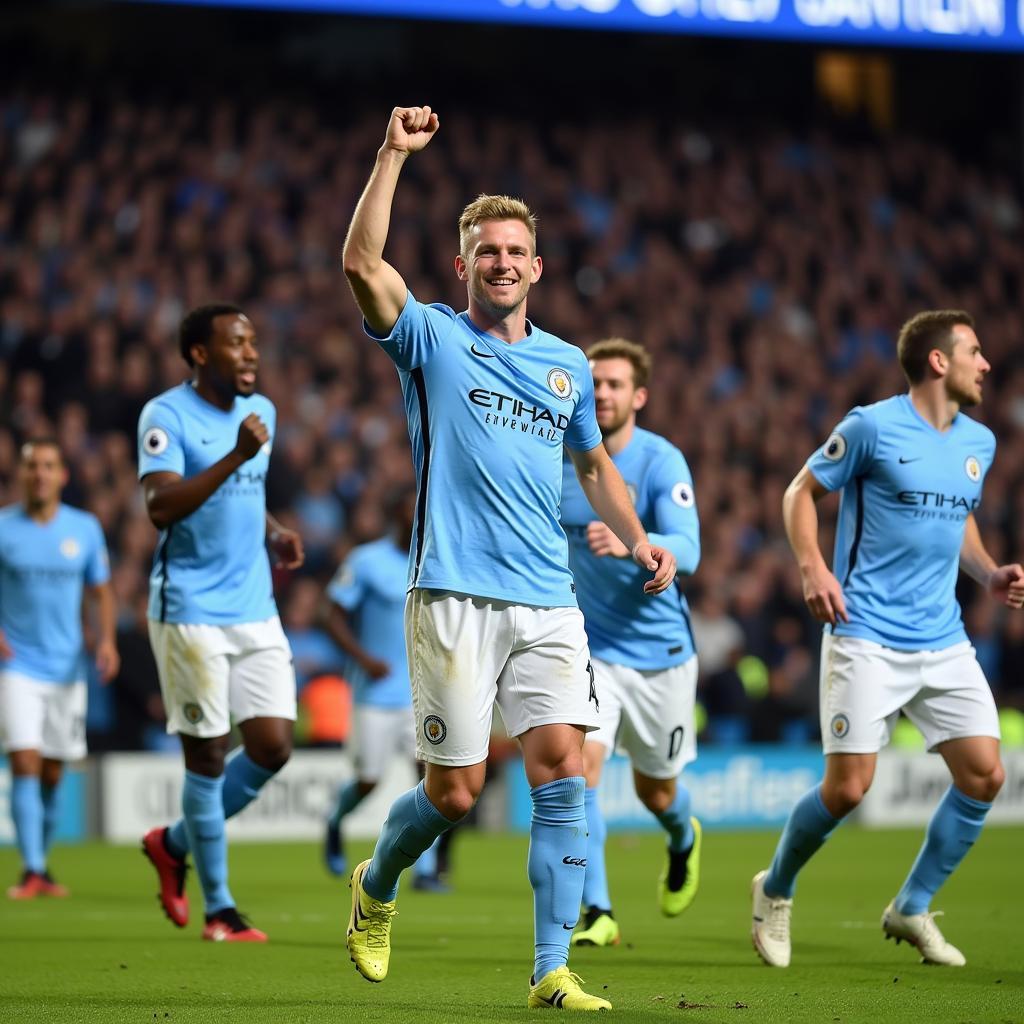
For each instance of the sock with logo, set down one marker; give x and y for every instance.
(243, 780)
(807, 828)
(412, 825)
(953, 828)
(27, 813)
(556, 866)
(675, 820)
(202, 800)
(348, 797)
(595, 880)
(49, 796)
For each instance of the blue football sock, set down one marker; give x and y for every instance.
(807, 828)
(426, 865)
(953, 828)
(202, 800)
(557, 867)
(413, 823)
(595, 881)
(243, 780)
(348, 797)
(27, 813)
(49, 796)
(675, 820)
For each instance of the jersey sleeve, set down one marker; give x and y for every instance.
(160, 440)
(583, 433)
(97, 565)
(676, 525)
(848, 451)
(418, 333)
(348, 586)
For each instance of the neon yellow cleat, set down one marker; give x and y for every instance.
(560, 990)
(369, 929)
(682, 869)
(599, 929)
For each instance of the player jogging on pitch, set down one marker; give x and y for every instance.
(911, 470)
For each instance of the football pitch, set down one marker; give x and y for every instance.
(108, 954)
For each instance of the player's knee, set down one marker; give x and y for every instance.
(842, 797)
(983, 785)
(456, 802)
(656, 799)
(273, 755)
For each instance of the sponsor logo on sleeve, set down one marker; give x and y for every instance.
(834, 448)
(682, 495)
(154, 441)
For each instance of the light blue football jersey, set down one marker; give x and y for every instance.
(487, 422)
(210, 567)
(907, 490)
(43, 568)
(370, 586)
(624, 625)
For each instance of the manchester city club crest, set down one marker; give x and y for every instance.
(434, 729)
(972, 467)
(193, 713)
(840, 726)
(560, 384)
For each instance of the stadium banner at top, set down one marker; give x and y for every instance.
(951, 24)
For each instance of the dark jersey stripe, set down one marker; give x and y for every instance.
(421, 499)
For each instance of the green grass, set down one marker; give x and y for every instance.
(108, 954)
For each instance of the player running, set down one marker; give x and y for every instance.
(911, 470)
(491, 613)
(221, 653)
(645, 665)
(50, 556)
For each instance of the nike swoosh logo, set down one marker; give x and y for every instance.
(568, 927)
(477, 352)
(359, 916)
(209, 440)
(916, 458)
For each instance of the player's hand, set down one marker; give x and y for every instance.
(410, 129)
(659, 561)
(108, 661)
(1006, 584)
(5, 647)
(824, 596)
(286, 547)
(375, 668)
(252, 436)
(604, 543)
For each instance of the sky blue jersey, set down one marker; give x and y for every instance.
(907, 490)
(624, 625)
(210, 567)
(370, 586)
(43, 568)
(487, 422)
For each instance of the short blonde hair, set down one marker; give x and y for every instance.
(495, 208)
(620, 348)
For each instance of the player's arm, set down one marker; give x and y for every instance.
(379, 289)
(1004, 582)
(108, 661)
(339, 629)
(171, 497)
(822, 592)
(606, 491)
(285, 544)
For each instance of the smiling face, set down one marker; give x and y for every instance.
(966, 367)
(42, 475)
(498, 266)
(616, 397)
(229, 360)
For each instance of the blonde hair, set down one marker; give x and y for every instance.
(620, 348)
(495, 208)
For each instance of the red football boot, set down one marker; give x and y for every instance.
(32, 884)
(54, 889)
(171, 872)
(228, 925)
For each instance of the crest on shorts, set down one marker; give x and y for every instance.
(434, 729)
(840, 726)
(193, 713)
(69, 547)
(834, 448)
(560, 384)
(972, 467)
(154, 441)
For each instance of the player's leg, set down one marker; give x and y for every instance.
(958, 718)
(50, 775)
(658, 731)
(27, 816)
(426, 872)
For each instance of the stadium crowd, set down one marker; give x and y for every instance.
(767, 273)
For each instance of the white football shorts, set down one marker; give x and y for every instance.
(864, 686)
(213, 675)
(467, 652)
(380, 735)
(43, 716)
(649, 715)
